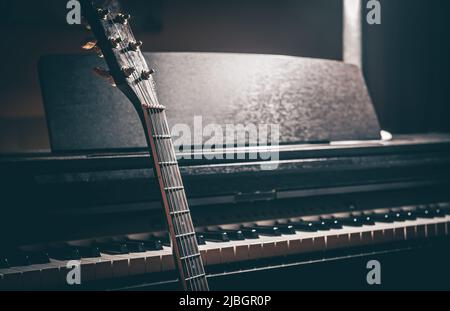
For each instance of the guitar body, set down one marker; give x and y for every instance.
(128, 70)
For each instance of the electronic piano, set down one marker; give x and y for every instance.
(338, 198)
(324, 202)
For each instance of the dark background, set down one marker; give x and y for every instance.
(405, 58)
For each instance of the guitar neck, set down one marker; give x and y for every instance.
(181, 228)
(129, 70)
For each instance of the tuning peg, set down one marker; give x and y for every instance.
(145, 75)
(89, 44)
(115, 41)
(134, 46)
(128, 71)
(122, 18)
(103, 73)
(102, 13)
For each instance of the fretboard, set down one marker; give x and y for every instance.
(130, 73)
(181, 228)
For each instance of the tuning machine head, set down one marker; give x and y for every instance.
(128, 71)
(102, 13)
(146, 74)
(134, 45)
(122, 18)
(89, 44)
(115, 42)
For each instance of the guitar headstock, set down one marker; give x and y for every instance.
(115, 41)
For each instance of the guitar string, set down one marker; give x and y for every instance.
(173, 195)
(143, 95)
(189, 244)
(153, 98)
(178, 217)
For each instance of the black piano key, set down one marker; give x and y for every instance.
(235, 234)
(446, 210)
(322, 225)
(113, 248)
(266, 230)
(367, 219)
(136, 246)
(89, 251)
(286, 228)
(437, 211)
(37, 257)
(333, 223)
(352, 221)
(166, 241)
(4, 263)
(153, 243)
(65, 253)
(398, 216)
(24, 258)
(306, 226)
(200, 239)
(410, 215)
(319, 225)
(424, 211)
(17, 258)
(216, 236)
(383, 217)
(250, 233)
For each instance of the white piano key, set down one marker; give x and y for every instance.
(103, 268)
(167, 260)
(119, 264)
(62, 271)
(137, 264)
(212, 251)
(38, 276)
(441, 229)
(88, 269)
(227, 253)
(281, 248)
(153, 261)
(306, 242)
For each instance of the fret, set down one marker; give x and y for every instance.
(195, 277)
(162, 136)
(184, 235)
(171, 163)
(149, 106)
(180, 212)
(190, 256)
(176, 188)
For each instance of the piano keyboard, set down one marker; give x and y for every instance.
(45, 270)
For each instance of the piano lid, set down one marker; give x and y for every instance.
(312, 100)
